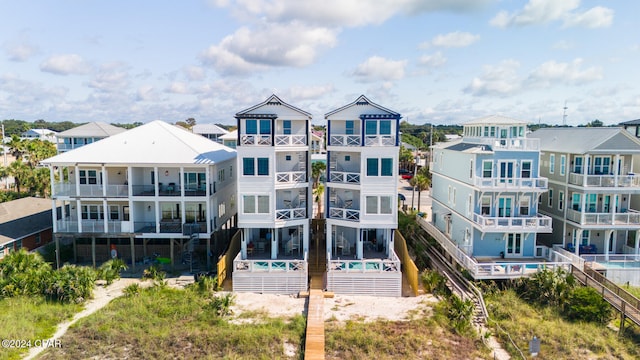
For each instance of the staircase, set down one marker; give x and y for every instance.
(317, 258)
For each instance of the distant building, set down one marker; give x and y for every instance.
(230, 139)
(632, 126)
(85, 134)
(25, 223)
(210, 131)
(41, 134)
(317, 142)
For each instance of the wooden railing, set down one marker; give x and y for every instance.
(225, 261)
(409, 268)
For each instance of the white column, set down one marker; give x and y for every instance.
(105, 180)
(275, 241)
(77, 175)
(243, 243)
(305, 239)
(79, 215)
(359, 245)
(210, 213)
(577, 241)
(181, 181)
(329, 241)
(105, 212)
(636, 244)
(157, 181)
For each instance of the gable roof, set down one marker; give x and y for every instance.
(208, 129)
(631, 122)
(495, 120)
(583, 140)
(231, 135)
(156, 142)
(362, 100)
(270, 104)
(93, 129)
(23, 217)
(41, 131)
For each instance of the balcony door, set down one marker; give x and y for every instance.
(514, 245)
(505, 206)
(506, 171)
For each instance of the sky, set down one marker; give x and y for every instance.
(433, 61)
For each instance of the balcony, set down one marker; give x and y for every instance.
(629, 180)
(540, 223)
(291, 140)
(379, 140)
(344, 140)
(68, 189)
(291, 177)
(344, 177)
(630, 217)
(519, 144)
(291, 214)
(92, 226)
(261, 140)
(344, 214)
(515, 184)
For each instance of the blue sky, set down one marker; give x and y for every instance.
(440, 61)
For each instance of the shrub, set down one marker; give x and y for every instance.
(459, 313)
(207, 284)
(547, 287)
(23, 273)
(586, 304)
(132, 290)
(71, 284)
(110, 270)
(434, 282)
(154, 273)
(221, 304)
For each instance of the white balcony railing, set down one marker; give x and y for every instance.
(519, 144)
(631, 217)
(498, 183)
(291, 177)
(604, 180)
(91, 226)
(67, 189)
(379, 140)
(291, 214)
(344, 214)
(344, 177)
(540, 223)
(392, 264)
(64, 189)
(291, 140)
(344, 140)
(264, 140)
(497, 269)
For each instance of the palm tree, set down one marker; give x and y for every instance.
(317, 169)
(421, 183)
(317, 192)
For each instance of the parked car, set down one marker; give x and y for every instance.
(405, 174)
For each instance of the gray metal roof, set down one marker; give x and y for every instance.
(23, 217)
(156, 142)
(631, 122)
(208, 129)
(92, 129)
(584, 140)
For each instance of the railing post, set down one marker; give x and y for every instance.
(622, 318)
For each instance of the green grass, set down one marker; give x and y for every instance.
(560, 339)
(30, 318)
(633, 290)
(165, 323)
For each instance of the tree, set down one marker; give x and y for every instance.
(317, 169)
(421, 183)
(25, 170)
(406, 157)
(317, 192)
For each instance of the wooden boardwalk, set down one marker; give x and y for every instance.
(314, 343)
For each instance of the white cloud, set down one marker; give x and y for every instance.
(65, 65)
(20, 52)
(378, 68)
(562, 45)
(111, 77)
(552, 72)
(194, 73)
(433, 60)
(147, 93)
(178, 87)
(545, 11)
(501, 79)
(455, 39)
(308, 92)
(348, 13)
(248, 50)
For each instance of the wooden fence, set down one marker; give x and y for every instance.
(225, 261)
(409, 268)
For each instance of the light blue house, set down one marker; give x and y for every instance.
(485, 191)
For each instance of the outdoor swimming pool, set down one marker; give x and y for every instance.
(620, 264)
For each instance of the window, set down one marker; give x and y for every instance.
(372, 167)
(248, 167)
(487, 169)
(91, 212)
(265, 127)
(252, 127)
(37, 238)
(454, 196)
(526, 170)
(493, 131)
(249, 204)
(550, 197)
(385, 204)
(88, 177)
(601, 165)
(552, 163)
(125, 213)
(449, 194)
(485, 208)
(386, 167)
(385, 127)
(221, 210)
(469, 205)
(525, 201)
(231, 171)
(470, 169)
(194, 181)
(170, 211)
(486, 131)
(575, 201)
(287, 157)
(221, 175)
(347, 158)
(577, 166)
(372, 204)
(560, 200)
(263, 204)
(263, 166)
(370, 127)
(286, 127)
(349, 127)
(563, 164)
(114, 213)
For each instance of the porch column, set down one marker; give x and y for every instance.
(329, 242)
(133, 252)
(305, 239)
(359, 245)
(57, 238)
(79, 215)
(243, 243)
(607, 238)
(275, 241)
(156, 184)
(105, 181)
(105, 215)
(615, 170)
(576, 241)
(587, 169)
(93, 250)
(77, 176)
(391, 242)
(636, 243)
(583, 205)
